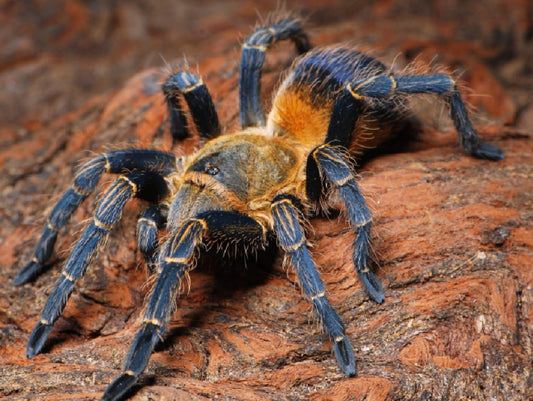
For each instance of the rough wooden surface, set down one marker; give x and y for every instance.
(453, 236)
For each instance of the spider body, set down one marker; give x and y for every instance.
(246, 186)
(240, 172)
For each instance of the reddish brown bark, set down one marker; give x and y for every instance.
(453, 236)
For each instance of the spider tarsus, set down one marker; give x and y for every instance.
(119, 387)
(29, 272)
(38, 338)
(345, 357)
(487, 151)
(137, 360)
(372, 286)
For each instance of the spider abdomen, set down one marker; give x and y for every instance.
(303, 105)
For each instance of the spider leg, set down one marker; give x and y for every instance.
(292, 240)
(107, 214)
(174, 260)
(252, 60)
(152, 220)
(87, 177)
(326, 160)
(346, 111)
(339, 173)
(200, 104)
(441, 85)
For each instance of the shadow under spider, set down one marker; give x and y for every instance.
(231, 275)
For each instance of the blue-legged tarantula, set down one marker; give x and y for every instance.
(247, 185)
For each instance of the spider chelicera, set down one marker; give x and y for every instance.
(246, 186)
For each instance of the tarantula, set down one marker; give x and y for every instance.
(263, 180)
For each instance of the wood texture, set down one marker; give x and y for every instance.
(453, 236)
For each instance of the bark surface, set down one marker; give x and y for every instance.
(452, 235)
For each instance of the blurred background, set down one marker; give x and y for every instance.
(57, 53)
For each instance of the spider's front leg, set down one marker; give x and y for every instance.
(174, 260)
(292, 240)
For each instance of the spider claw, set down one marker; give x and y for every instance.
(38, 338)
(120, 386)
(372, 286)
(27, 273)
(345, 357)
(487, 151)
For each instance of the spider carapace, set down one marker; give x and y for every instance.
(247, 186)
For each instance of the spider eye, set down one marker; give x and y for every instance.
(211, 170)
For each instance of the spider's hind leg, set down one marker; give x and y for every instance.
(252, 60)
(441, 85)
(200, 104)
